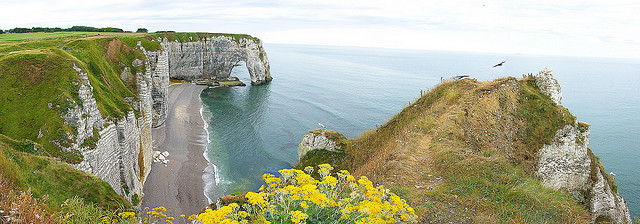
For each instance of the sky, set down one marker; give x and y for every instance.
(546, 27)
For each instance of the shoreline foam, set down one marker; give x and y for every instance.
(211, 169)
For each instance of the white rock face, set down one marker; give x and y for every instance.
(312, 141)
(115, 156)
(608, 204)
(215, 57)
(87, 117)
(158, 68)
(549, 86)
(565, 163)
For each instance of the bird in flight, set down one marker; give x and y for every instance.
(499, 64)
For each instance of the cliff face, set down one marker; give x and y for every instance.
(115, 156)
(568, 163)
(215, 57)
(122, 155)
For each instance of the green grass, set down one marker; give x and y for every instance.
(45, 35)
(40, 36)
(543, 119)
(36, 88)
(101, 58)
(314, 158)
(46, 176)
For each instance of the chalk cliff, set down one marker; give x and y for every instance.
(315, 141)
(122, 153)
(567, 163)
(215, 57)
(115, 156)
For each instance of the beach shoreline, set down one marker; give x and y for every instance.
(178, 185)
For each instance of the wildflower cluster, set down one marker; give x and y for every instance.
(297, 197)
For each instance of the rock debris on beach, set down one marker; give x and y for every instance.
(160, 157)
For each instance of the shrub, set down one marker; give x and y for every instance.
(296, 197)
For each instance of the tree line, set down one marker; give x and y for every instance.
(73, 28)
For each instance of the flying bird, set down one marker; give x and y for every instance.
(499, 64)
(321, 125)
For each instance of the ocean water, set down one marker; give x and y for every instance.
(256, 129)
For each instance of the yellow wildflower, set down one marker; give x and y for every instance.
(298, 217)
(304, 205)
(308, 169)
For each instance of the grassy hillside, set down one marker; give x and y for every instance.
(465, 152)
(39, 85)
(46, 176)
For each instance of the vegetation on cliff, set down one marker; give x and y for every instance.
(466, 151)
(22, 171)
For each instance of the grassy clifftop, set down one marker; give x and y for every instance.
(465, 151)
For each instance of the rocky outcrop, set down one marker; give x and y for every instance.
(549, 86)
(607, 205)
(319, 139)
(566, 164)
(215, 57)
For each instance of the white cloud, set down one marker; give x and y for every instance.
(568, 27)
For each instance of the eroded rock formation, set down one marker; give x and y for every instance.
(320, 139)
(215, 57)
(566, 164)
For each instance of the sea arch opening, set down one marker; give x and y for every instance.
(241, 71)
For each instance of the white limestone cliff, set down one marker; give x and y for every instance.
(215, 57)
(549, 86)
(565, 164)
(317, 140)
(121, 153)
(114, 158)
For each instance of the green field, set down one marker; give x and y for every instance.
(17, 37)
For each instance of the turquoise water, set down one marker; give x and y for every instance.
(256, 129)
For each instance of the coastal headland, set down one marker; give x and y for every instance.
(177, 185)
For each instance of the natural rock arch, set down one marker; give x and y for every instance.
(215, 57)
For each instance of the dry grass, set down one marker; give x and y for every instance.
(465, 151)
(18, 207)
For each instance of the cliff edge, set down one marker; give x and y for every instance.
(486, 152)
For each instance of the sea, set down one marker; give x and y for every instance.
(256, 129)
